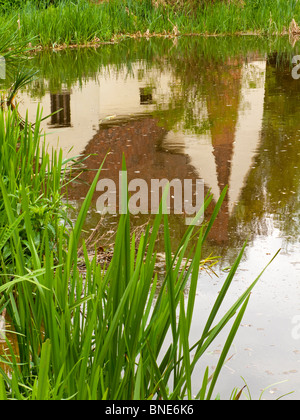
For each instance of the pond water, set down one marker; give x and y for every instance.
(223, 110)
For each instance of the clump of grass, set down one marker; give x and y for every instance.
(98, 334)
(12, 46)
(83, 21)
(29, 176)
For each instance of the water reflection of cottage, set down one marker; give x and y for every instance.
(221, 156)
(118, 113)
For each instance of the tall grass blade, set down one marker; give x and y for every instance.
(3, 393)
(227, 346)
(43, 380)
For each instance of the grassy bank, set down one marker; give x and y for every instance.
(82, 21)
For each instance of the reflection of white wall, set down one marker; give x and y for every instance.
(202, 158)
(84, 118)
(200, 152)
(120, 90)
(115, 93)
(249, 126)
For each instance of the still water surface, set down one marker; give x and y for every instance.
(223, 110)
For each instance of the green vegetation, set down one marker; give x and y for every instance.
(101, 332)
(28, 173)
(83, 21)
(96, 334)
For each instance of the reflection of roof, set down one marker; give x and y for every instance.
(138, 139)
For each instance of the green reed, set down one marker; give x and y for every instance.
(101, 333)
(30, 177)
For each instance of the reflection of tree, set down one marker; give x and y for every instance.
(273, 186)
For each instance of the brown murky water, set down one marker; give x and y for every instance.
(223, 110)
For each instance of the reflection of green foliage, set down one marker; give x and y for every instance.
(188, 59)
(63, 69)
(68, 67)
(273, 186)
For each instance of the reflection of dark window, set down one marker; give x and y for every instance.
(61, 101)
(146, 96)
